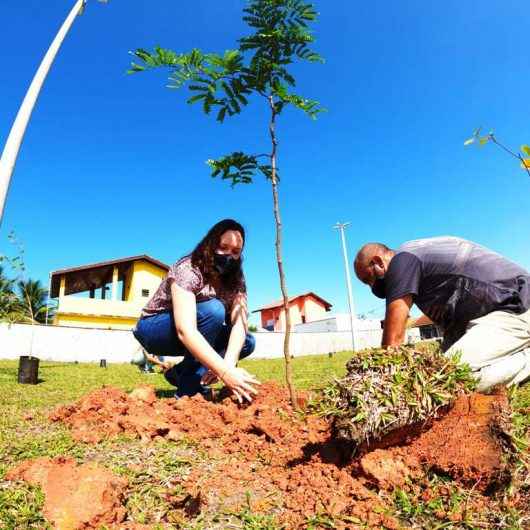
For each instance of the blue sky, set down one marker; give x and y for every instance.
(114, 165)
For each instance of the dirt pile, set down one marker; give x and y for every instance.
(263, 447)
(291, 463)
(76, 497)
(467, 443)
(109, 411)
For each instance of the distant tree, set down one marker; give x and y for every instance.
(258, 67)
(21, 299)
(480, 140)
(33, 297)
(10, 307)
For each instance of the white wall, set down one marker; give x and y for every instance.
(339, 322)
(68, 344)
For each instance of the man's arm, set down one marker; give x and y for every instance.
(397, 313)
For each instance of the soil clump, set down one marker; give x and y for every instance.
(388, 394)
(76, 497)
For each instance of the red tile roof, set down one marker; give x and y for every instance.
(279, 303)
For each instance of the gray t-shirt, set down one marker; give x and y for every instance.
(454, 281)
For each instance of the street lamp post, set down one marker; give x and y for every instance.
(341, 227)
(16, 135)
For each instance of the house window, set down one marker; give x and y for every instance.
(145, 292)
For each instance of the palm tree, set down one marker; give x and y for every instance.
(33, 297)
(9, 302)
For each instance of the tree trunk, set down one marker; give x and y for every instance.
(283, 286)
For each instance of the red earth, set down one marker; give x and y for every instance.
(84, 496)
(286, 459)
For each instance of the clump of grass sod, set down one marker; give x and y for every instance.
(384, 390)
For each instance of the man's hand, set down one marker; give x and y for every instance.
(397, 313)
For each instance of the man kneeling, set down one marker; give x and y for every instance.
(480, 299)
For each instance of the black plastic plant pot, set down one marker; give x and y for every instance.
(28, 370)
(103, 363)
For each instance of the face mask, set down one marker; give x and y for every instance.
(225, 264)
(379, 288)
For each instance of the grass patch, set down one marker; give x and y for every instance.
(440, 503)
(20, 507)
(310, 372)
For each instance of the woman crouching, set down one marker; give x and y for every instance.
(200, 312)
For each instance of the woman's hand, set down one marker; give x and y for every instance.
(165, 366)
(241, 383)
(209, 378)
(153, 359)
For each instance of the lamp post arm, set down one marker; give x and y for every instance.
(16, 135)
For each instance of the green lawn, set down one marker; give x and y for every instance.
(22, 438)
(65, 382)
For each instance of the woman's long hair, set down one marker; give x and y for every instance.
(202, 256)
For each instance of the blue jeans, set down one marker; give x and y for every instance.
(158, 336)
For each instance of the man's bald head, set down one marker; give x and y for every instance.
(369, 256)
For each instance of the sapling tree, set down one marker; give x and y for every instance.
(30, 304)
(224, 84)
(481, 140)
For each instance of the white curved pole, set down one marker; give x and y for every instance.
(16, 135)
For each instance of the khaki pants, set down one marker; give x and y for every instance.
(497, 347)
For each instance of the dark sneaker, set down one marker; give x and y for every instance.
(148, 369)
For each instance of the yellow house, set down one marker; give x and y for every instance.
(110, 294)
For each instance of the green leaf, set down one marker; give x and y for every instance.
(221, 114)
(525, 149)
(484, 140)
(196, 98)
(237, 167)
(469, 141)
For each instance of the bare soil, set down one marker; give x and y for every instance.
(84, 496)
(287, 460)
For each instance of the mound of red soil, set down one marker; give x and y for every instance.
(77, 497)
(467, 443)
(288, 461)
(263, 447)
(109, 411)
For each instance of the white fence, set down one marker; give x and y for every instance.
(68, 344)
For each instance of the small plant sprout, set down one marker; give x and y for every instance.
(523, 156)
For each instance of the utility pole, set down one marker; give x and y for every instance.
(341, 227)
(16, 135)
